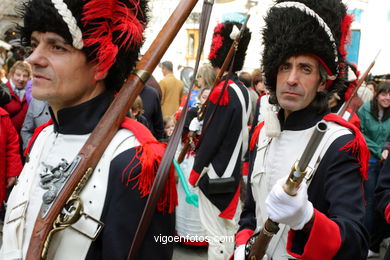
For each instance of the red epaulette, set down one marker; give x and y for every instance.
(216, 93)
(357, 146)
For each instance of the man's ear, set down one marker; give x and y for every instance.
(321, 86)
(100, 75)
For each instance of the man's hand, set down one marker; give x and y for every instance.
(10, 181)
(294, 211)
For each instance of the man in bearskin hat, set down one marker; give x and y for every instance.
(304, 52)
(217, 162)
(82, 53)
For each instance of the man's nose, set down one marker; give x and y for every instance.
(292, 78)
(37, 58)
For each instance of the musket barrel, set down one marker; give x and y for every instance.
(312, 145)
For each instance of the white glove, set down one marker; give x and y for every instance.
(196, 125)
(239, 253)
(294, 211)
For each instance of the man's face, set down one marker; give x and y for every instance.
(61, 74)
(298, 81)
(19, 78)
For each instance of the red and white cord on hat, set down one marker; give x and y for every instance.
(71, 22)
(321, 22)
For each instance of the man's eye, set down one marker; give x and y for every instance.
(59, 48)
(306, 69)
(33, 45)
(283, 67)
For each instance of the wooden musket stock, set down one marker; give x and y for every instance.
(107, 127)
(298, 172)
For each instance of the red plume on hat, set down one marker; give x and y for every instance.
(110, 17)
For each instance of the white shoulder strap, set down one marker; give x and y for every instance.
(242, 138)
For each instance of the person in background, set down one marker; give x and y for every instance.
(382, 196)
(28, 92)
(10, 160)
(172, 90)
(19, 75)
(372, 86)
(365, 93)
(216, 170)
(137, 112)
(169, 125)
(37, 114)
(3, 76)
(375, 126)
(152, 110)
(257, 82)
(246, 78)
(206, 79)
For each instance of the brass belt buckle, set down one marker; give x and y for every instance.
(100, 226)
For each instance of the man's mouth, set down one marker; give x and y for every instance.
(39, 76)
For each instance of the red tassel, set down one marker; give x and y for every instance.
(217, 41)
(345, 33)
(357, 146)
(149, 155)
(216, 92)
(255, 136)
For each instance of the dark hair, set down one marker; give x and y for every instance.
(42, 16)
(383, 87)
(246, 78)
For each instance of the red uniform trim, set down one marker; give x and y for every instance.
(243, 236)
(255, 136)
(387, 213)
(245, 168)
(194, 176)
(37, 131)
(324, 239)
(231, 209)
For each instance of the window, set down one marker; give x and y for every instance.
(192, 43)
(357, 13)
(353, 47)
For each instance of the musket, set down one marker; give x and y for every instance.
(358, 84)
(232, 50)
(88, 157)
(258, 243)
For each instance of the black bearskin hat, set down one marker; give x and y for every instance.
(221, 43)
(109, 32)
(315, 27)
